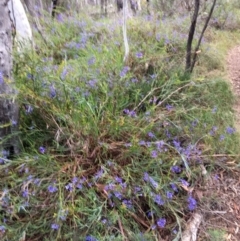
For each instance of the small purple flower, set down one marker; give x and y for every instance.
(90, 238)
(130, 113)
(2, 228)
(118, 195)
(134, 80)
(176, 169)
(150, 214)
(142, 143)
(230, 130)
(161, 222)
(109, 186)
(54, 226)
(212, 132)
(52, 188)
(64, 73)
(169, 107)
(184, 182)
(91, 61)
(146, 177)
(1, 78)
(153, 182)
(154, 154)
(137, 190)
(25, 193)
(92, 83)
(127, 203)
(214, 110)
(52, 91)
(79, 186)
(159, 145)
(169, 194)
(118, 179)
(74, 180)
(158, 199)
(222, 137)
(151, 135)
(174, 187)
(69, 187)
(99, 174)
(192, 203)
(14, 123)
(42, 150)
(139, 55)
(124, 71)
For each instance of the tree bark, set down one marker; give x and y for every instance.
(202, 33)
(124, 27)
(9, 112)
(191, 35)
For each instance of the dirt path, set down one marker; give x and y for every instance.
(233, 66)
(221, 208)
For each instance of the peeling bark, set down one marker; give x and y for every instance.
(190, 233)
(9, 113)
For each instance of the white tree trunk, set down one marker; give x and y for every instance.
(21, 24)
(124, 26)
(9, 115)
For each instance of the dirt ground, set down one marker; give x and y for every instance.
(220, 196)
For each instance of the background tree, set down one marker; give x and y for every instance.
(9, 114)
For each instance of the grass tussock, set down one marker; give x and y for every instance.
(110, 150)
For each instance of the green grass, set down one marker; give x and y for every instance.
(101, 140)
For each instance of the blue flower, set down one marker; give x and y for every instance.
(2, 228)
(146, 177)
(184, 182)
(154, 154)
(153, 182)
(139, 55)
(42, 150)
(118, 195)
(176, 169)
(169, 107)
(161, 222)
(1, 78)
(158, 199)
(127, 203)
(174, 187)
(52, 189)
(169, 194)
(52, 91)
(192, 203)
(91, 61)
(54, 226)
(151, 135)
(69, 187)
(230, 130)
(90, 238)
(25, 193)
(124, 71)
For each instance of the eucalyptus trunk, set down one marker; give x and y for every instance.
(9, 111)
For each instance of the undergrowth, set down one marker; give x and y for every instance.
(110, 151)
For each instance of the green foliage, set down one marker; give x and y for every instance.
(109, 150)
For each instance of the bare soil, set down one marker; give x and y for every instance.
(220, 195)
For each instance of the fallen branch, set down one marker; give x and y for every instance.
(190, 234)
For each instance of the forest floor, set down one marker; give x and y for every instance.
(221, 209)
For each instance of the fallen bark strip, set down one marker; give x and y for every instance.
(190, 233)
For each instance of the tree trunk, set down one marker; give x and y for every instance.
(9, 112)
(191, 35)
